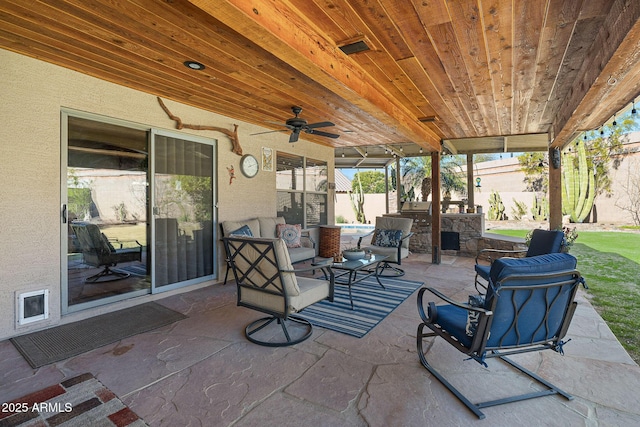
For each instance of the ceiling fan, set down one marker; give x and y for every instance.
(297, 124)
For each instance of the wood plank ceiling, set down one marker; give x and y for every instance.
(436, 69)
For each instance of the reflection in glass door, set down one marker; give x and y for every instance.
(104, 213)
(183, 184)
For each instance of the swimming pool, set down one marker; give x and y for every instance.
(356, 228)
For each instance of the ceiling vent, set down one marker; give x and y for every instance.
(356, 45)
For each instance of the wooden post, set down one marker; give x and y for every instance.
(398, 186)
(435, 208)
(555, 194)
(471, 203)
(386, 189)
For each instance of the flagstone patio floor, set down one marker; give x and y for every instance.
(201, 371)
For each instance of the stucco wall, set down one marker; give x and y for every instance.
(505, 177)
(33, 94)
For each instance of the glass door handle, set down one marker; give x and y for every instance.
(64, 213)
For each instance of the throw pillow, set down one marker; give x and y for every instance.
(473, 316)
(290, 233)
(242, 231)
(388, 238)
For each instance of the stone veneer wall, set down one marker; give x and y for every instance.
(469, 226)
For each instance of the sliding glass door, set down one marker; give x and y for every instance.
(183, 198)
(137, 208)
(104, 212)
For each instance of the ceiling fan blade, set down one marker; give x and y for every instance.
(276, 123)
(319, 125)
(294, 135)
(269, 131)
(321, 133)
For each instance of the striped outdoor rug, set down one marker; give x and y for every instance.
(371, 304)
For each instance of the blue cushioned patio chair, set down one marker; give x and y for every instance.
(542, 242)
(528, 307)
(267, 282)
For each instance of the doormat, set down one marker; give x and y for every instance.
(79, 401)
(65, 341)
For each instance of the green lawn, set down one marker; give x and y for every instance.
(609, 261)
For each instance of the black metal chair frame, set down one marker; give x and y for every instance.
(254, 278)
(102, 254)
(489, 255)
(395, 271)
(479, 351)
(305, 235)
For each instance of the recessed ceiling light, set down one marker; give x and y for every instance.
(194, 65)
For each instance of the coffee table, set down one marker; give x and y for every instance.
(358, 270)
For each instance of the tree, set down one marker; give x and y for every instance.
(372, 182)
(603, 149)
(357, 201)
(415, 169)
(631, 203)
(536, 171)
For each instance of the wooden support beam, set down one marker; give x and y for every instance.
(555, 194)
(436, 227)
(470, 187)
(614, 53)
(294, 39)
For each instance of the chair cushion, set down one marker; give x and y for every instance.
(268, 226)
(242, 231)
(545, 242)
(532, 314)
(388, 238)
(290, 233)
(106, 241)
(301, 254)
(506, 266)
(483, 271)
(311, 291)
(454, 320)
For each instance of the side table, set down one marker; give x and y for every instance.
(329, 246)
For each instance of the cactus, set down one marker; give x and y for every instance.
(519, 210)
(496, 207)
(540, 208)
(578, 185)
(357, 202)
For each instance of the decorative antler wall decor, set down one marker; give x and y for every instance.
(233, 135)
